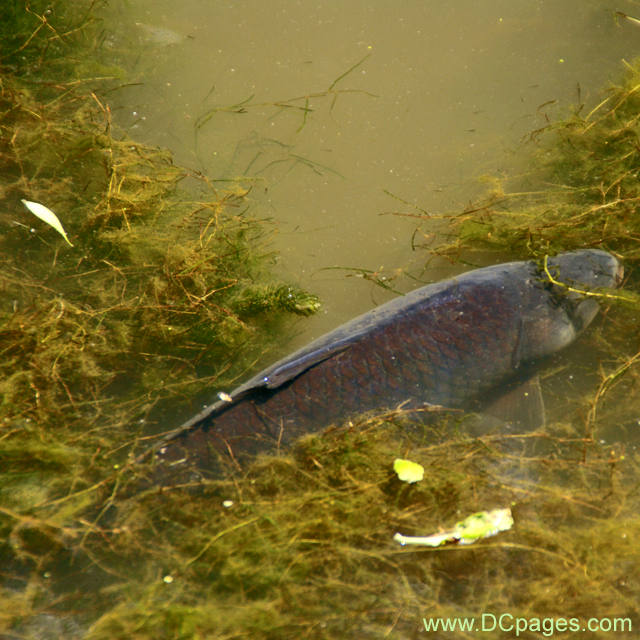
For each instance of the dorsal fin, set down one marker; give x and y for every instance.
(271, 378)
(292, 367)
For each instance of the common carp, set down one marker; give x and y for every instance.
(457, 344)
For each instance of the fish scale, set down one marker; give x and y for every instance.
(449, 344)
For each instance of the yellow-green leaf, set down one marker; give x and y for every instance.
(47, 216)
(408, 471)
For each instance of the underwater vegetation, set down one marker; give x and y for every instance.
(580, 189)
(167, 290)
(162, 286)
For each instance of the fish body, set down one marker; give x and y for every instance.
(449, 344)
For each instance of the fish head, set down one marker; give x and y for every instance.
(559, 301)
(577, 274)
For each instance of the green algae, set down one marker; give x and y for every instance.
(580, 188)
(166, 291)
(305, 548)
(169, 281)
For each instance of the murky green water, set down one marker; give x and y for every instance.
(335, 115)
(443, 95)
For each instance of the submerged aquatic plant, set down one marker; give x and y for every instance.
(305, 547)
(169, 281)
(580, 188)
(166, 291)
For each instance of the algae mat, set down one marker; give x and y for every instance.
(167, 290)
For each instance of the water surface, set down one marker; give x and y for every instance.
(442, 94)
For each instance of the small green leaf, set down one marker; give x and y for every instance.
(408, 471)
(47, 216)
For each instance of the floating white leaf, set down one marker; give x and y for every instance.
(47, 216)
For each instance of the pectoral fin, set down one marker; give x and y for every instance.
(520, 404)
